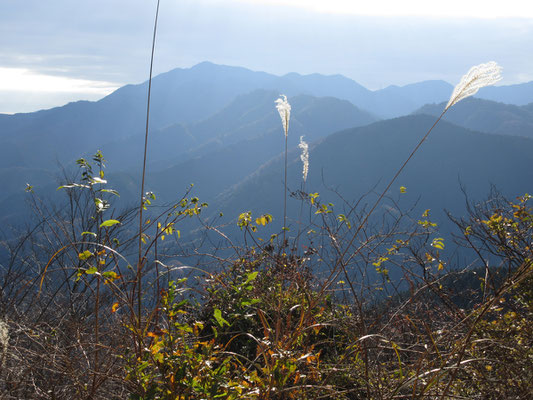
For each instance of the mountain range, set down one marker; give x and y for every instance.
(359, 162)
(216, 126)
(487, 116)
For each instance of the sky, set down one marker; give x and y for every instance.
(53, 52)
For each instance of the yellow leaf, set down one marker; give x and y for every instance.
(403, 189)
(114, 307)
(85, 255)
(438, 243)
(261, 220)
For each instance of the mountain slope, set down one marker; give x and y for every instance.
(187, 96)
(178, 96)
(395, 101)
(357, 160)
(487, 116)
(247, 139)
(213, 154)
(248, 116)
(519, 94)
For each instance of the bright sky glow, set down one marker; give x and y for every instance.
(21, 79)
(53, 52)
(447, 8)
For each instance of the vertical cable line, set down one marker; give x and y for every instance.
(141, 260)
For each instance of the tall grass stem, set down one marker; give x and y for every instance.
(285, 193)
(284, 110)
(141, 206)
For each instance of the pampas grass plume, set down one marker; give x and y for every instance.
(304, 157)
(284, 110)
(478, 77)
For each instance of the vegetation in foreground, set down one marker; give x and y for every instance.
(345, 307)
(270, 320)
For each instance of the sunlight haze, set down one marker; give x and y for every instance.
(450, 8)
(55, 52)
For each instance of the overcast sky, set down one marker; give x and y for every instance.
(56, 51)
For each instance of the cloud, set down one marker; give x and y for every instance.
(395, 8)
(109, 41)
(25, 80)
(24, 90)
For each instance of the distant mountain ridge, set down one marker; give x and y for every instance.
(193, 94)
(487, 116)
(250, 138)
(211, 114)
(519, 94)
(356, 161)
(214, 153)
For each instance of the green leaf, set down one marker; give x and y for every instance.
(73, 185)
(250, 277)
(220, 319)
(88, 233)
(97, 179)
(91, 271)
(112, 191)
(109, 222)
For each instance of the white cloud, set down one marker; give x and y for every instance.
(448, 8)
(25, 80)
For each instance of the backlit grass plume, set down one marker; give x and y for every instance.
(304, 157)
(284, 109)
(479, 76)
